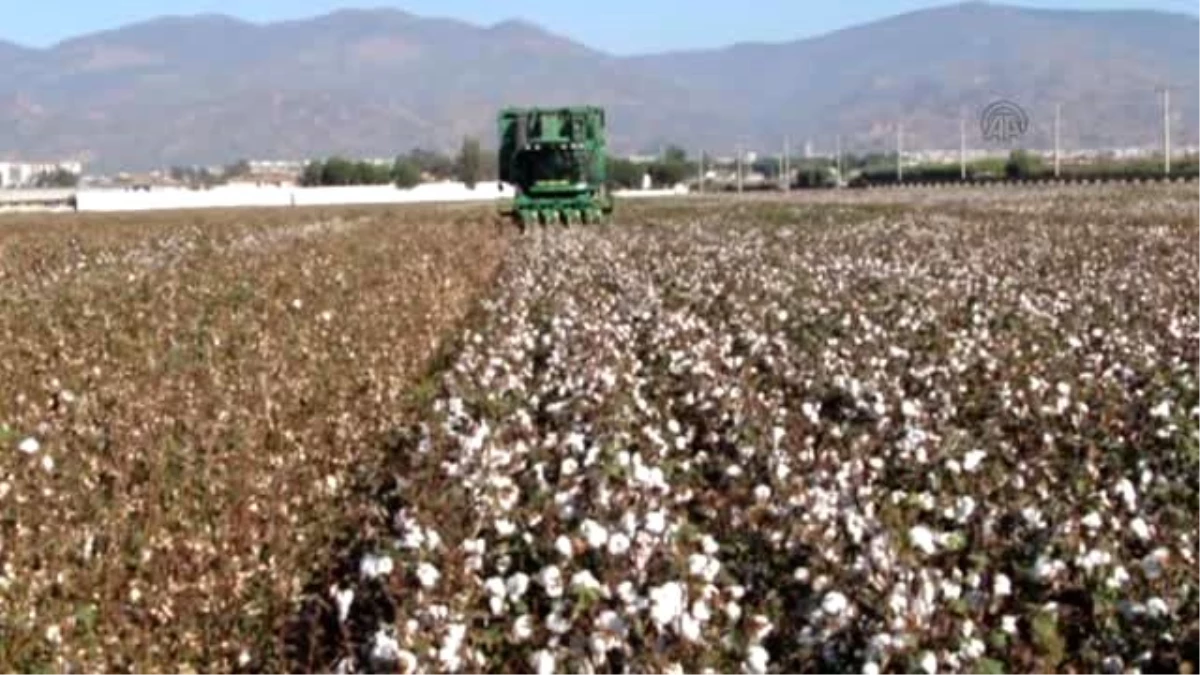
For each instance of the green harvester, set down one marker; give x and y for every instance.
(556, 160)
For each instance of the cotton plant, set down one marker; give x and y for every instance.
(726, 444)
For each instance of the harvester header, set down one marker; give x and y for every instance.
(556, 159)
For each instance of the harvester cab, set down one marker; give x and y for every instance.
(555, 159)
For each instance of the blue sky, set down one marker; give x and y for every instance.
(607, 24)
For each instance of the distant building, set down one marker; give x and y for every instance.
(276, 166)
(25, 174)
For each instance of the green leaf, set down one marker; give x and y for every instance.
(989, 666)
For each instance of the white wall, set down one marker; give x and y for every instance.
(248, 195)
(229, 196)
(35, 195)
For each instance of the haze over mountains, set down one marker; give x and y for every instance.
(375, 82)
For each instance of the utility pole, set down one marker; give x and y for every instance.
(1166, 130)
(838, 152)
(739, 168)
(787, 164)
(700, 173)
(899, 153)
(1057, 124)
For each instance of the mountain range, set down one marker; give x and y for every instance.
(376, 82)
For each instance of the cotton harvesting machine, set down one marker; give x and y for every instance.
(555, 159)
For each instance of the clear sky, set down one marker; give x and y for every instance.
(617, 26)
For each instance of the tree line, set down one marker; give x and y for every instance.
(674, 166)
(1024, 165)
(58, 178)
(471, 165)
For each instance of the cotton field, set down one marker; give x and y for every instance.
(764, 441)
(864, 433)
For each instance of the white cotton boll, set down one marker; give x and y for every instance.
(762, 493)
(495, 587)
(384, 648)
(928, 662)
(569, 466)
(1162, 410)
(557, 623)
(811, 411)
(666, 602)
(594, 533)
(733, 610)
(343, 598)
(1093, 559)
(504, 527)
(372, 566)
(618, 544)
(551, 581)
(584, 579)
(870, 668)
(1157, 607)
(973, 459)
(496, 604)
(1048, 568)
(612, 623)
(1001, 585)
(757, 659)
(777, 435)
(689, 628)
(656, 522)
(1008, 624)
(1128, 493)
(1152, 564)
(922, 539)
(563, 545)
(1140, 529)
(626, 592)
(516, 585)
(834, 604)
(29, 445)
(428, 575)
(1092, 521)
(964, 506)
(522, 628)
(542, 662)
(1118, 578)
(974, 648)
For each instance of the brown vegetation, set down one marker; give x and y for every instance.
(186, 402)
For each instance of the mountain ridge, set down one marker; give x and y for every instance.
(211, 87)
